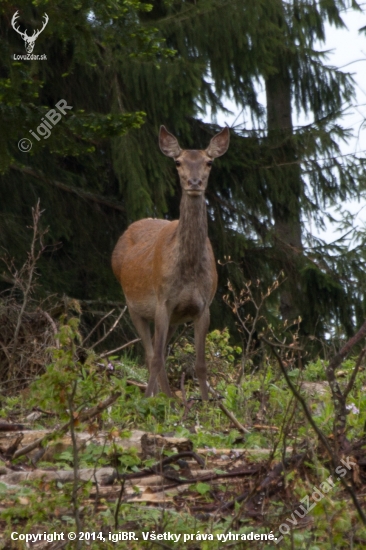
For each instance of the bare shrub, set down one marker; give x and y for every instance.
(26, 330)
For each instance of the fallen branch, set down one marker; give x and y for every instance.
(158, 469)
(261, 427)
(6, 427)
(8, 453)
(84, 415)
(138, 385)
(65, 476)
(223, 451)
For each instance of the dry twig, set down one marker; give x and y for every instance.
(111, 329)
(111, 352)
(96, 326)
(228, 413)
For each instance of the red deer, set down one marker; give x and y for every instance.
(167, 269)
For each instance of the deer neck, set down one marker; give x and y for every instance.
(192, 233)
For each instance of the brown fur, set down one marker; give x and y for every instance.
(167, 269)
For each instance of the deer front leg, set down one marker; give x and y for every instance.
(163, 378)
(143, 329)
(163, 381)
(200, 331)
(157, 370)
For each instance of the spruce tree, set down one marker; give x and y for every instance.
(276, 176)
(88, 45)
(126, 68)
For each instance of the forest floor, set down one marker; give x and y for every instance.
(83, 451)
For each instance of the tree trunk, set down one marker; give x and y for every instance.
(286, 188)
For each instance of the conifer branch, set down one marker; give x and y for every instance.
(69, 188)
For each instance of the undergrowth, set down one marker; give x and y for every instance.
(262, 402)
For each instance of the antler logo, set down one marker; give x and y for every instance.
(29, 40)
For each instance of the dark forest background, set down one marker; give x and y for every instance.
(126, 67)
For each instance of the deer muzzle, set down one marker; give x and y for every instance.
(195, 187)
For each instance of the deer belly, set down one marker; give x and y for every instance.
(187, 308)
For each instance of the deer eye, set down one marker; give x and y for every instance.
(209, 163)
(177, 163)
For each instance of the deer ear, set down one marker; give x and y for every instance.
(219, 144)
(168, 143)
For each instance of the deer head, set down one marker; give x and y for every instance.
(29, 40)
(193, 166)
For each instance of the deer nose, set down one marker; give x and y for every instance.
(195, 183)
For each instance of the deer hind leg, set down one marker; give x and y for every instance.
(200, 331)
(157, 370)
(143, 329)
